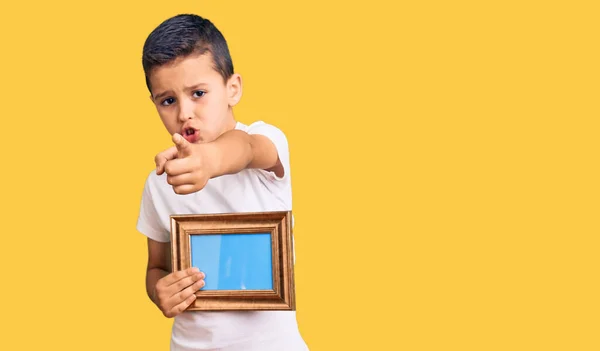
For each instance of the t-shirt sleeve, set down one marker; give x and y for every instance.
(281, 144)
(148, 222)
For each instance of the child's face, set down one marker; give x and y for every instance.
(192, 99)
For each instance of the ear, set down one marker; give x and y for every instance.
(234, 89)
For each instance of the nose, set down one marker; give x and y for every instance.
(186, 110)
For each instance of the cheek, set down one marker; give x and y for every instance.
(169, 122)
(212, 109)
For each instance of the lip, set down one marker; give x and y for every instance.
(192, 138)
(187, 126)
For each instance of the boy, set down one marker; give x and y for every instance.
(217, 165)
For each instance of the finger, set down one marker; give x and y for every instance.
(182, 284)
(182, 179)
(180, 166)
(181, 143)
(186, 189)
(178, 275)
(182, 306)
(163, 157)
(187, 292)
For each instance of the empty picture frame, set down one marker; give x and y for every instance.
(247, 259)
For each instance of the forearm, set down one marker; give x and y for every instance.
(153, 275)
(231, 153)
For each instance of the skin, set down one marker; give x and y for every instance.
(189, 92)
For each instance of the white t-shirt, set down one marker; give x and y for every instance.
(251, 190)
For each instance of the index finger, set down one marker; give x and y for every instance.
(180, 142)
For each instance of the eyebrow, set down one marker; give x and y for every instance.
(165, 93)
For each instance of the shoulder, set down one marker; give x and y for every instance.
(151, 213)
(280, 142)
(273, 133)
(152, 179)
(156, 185)
(262, 127)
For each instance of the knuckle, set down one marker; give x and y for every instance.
(182, 295)
(182, 284)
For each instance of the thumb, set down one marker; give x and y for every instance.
(163, 157)
(183, 146)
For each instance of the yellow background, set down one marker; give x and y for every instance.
(444, 162)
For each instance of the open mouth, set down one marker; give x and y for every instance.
(190, 134)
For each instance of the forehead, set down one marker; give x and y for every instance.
(185, 71)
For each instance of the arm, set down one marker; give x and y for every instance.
(190, 166)
(236, 150)
(158, 266)
(172, 293)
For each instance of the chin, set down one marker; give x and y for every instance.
(204, 140)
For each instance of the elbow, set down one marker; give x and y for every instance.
(250, 151)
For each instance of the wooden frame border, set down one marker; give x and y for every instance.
(278, 223)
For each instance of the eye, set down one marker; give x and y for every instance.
(199, 93)
(167, 101)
